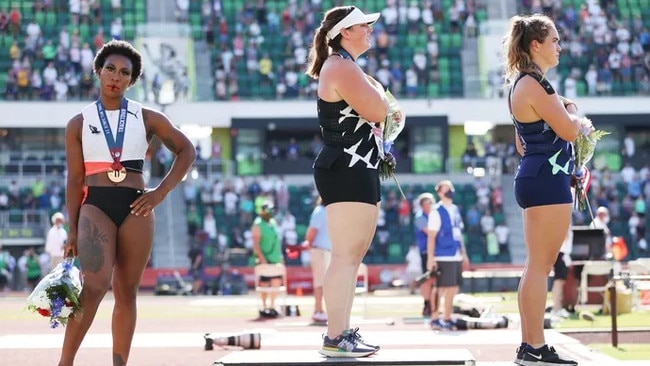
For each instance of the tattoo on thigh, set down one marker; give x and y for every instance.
(92, 258)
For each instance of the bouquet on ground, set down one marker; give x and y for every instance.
(393, 125)
(584, 148)
(57, 295)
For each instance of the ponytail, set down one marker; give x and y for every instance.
(524, 29)
(320, 46)
(318, 53)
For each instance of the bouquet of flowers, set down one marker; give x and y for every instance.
(392, 127)
(584, 148)
(57, 295)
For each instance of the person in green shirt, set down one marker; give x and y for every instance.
(33, 268)
(7, 264)
(267, 249)
(48, 51)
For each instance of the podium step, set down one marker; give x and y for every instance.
(385, 357)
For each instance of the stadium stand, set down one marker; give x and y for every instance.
(64, 33)
(395, 231)
(260, 52)
(606, 45)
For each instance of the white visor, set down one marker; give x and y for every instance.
(354, 18)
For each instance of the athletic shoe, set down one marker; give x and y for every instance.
(319, 317)
(520, 353)
(439, 324)
(450, 324)
(356, 334)
(543, 356)
(562, 313)
(348, 344)
(269, 314)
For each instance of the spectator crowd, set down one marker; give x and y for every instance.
(606, 47)
(55, 64)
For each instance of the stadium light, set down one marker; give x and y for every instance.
(477, 128)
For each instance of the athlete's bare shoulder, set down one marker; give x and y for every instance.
(76, 121)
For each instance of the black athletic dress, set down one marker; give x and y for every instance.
(345, 169)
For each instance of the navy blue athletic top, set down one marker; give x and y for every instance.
(541, 144)
(347, 134)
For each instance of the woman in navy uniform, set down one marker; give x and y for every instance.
(351, 106)
(545, 126)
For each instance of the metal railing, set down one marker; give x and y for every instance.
(31, 169)
(23, 227)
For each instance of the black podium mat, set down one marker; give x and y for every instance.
(386, 357)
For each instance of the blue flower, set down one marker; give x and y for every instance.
(67, 265)
(57, 304)
(387, 146)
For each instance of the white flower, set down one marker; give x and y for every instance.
(586, 126)
(584, 148)
(66, 311)
(59, 279)
(41, 300)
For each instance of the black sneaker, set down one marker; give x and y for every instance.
(347, 344)
(543, 356)
(520, 353)
(269, 314)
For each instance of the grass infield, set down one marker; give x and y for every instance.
(629, 352)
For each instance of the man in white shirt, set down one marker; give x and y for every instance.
(55, 240)
(600, 222)
(446, 254)
(629, 145)
(503, 233)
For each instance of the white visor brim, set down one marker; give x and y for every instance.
(355, 17)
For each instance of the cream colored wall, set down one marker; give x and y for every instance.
(219, 114)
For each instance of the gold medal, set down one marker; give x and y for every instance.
(116, 176)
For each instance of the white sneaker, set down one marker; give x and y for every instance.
(319, 317)
(562, 313)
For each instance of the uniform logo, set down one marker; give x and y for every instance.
(93, 129)
(539, 357)
(556, 167)
(133, 114)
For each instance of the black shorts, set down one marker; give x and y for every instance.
(424, 257)
(196, 273)
(267, 279)
(113, 201)
(560, 269)
(451, 274)
(340, 183)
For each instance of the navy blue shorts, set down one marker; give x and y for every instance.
(544, 187)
